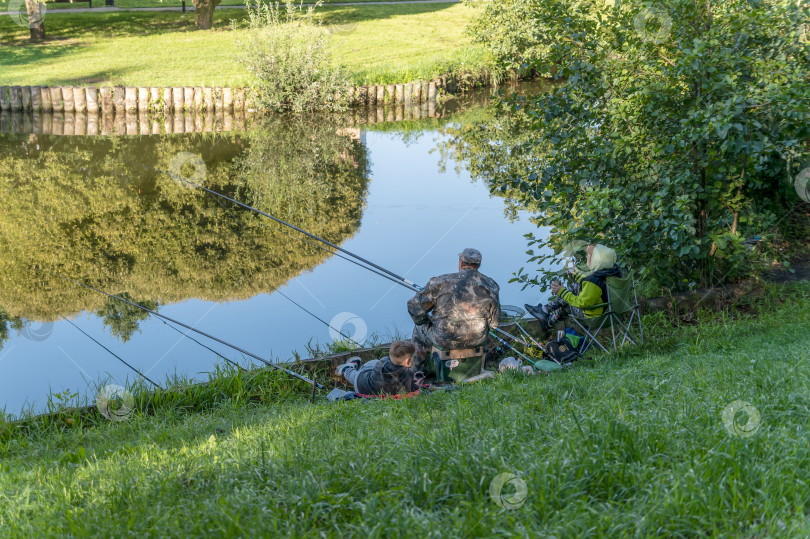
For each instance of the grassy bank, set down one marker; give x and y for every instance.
(376, 44)
(629, 444)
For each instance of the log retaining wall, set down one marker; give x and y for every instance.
(209, 99)
(93, 122)
(122, 99)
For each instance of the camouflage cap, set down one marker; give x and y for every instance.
(470, 256)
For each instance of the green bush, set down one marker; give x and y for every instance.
(285, 51)
(510, 30)
(674, 138)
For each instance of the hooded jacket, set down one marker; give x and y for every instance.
(594, 286)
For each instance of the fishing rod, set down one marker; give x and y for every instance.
(526, 333)
(399, 278)
(187, 336)
(390, 275)
(333, 253)
(204, 334)
(109, 351)
(506, 333)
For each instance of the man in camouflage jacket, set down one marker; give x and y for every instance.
(455, 310)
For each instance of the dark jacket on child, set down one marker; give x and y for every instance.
(385, 377)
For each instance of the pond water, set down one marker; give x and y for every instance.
(92, 208)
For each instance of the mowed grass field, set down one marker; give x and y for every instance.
(376, 44)
(641, 443)
(136, 4)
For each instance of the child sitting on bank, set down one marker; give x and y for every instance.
(390, 375)
(583, 295)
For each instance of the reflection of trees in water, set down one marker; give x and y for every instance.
(83, 207)
(7, 323)
(123, 319)
(494, 148)
(308, 173)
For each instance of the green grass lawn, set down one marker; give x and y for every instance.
(374, 43)
(632, 444)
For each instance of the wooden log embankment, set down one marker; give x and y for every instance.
(94, 112)
(123, 99)
(211, 99)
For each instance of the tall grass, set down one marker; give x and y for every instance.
(226, 384)
(182, 394)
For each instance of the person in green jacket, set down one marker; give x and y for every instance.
(587, 290)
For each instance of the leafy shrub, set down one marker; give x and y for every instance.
(510, 30)
(674, 138)
(286, 53)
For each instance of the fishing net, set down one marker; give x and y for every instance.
(510, 313)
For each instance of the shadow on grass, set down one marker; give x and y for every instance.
(353, 14)
(95, 26)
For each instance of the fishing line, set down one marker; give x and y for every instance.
(318, 318)
(110, 351)
(355, 262)
(186, 335)
(204, 334)
(404, 281)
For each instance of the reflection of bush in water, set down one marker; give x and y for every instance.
(9, 323)
(306, 171)
(83, 207)
(6, 324)
(123, 319)
(492, 148)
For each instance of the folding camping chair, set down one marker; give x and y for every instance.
(622, 299)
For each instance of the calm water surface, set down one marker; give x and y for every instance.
(85, 207)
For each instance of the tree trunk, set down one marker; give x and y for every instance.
(36, 19)
(204, 13)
